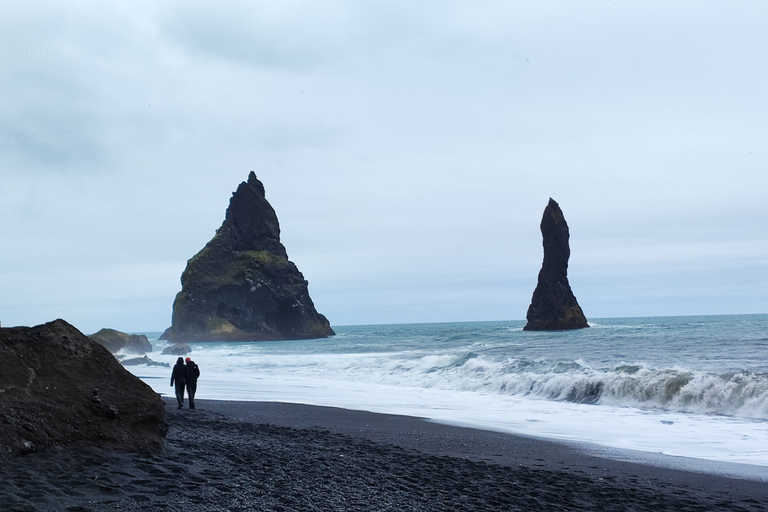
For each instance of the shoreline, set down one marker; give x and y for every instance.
(238, 455)
(374, 426)
(436, 437)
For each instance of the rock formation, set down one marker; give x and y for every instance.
(136, 361)
(57, 387)
(114, 341)
(553, 306)
(241, 285)
(177, 349)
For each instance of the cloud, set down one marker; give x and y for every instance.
(408, 149)
(292, 36)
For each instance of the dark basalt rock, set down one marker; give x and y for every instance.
(138, 344)
(241, 285)
(58, 387)
(136, 361)
(553, 306)
(114, 341)
(177, 349)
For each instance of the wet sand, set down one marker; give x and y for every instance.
(290, 457)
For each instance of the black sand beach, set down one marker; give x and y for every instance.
(287, 457)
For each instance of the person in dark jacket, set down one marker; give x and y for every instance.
(193, 372)
(179, 376)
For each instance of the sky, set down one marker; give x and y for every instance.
(408, 148)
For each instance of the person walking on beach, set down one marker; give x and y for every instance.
(193, 372)
(179, 376)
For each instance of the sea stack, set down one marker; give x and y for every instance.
(553, 306)
(241, 285)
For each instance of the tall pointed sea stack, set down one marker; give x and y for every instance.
(554, 307)
(241, 286)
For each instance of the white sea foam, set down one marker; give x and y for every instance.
(681, 388)
(717, 438)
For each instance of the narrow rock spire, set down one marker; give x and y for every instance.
(553, 306)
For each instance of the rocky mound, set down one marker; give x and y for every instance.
(57, 386)
(241, 285)
(177, 349)
(553, 306)
(136, 361)
(114, 341)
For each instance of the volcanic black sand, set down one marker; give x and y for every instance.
(285, 457)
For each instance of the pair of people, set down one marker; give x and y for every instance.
(185, 376)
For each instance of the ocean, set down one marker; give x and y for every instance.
(683, 386)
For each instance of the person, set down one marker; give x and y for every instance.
(179, 376)
(193, 372)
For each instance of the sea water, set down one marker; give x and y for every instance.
(685, 386)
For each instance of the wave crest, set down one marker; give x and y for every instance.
(741, 394)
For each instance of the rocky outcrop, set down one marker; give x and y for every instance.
(241, 285)
(553, 306)
(57, 387)
(114, 341)
(136, 361)
(177, 349)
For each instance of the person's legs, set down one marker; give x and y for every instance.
(191, 389)
(180, 394)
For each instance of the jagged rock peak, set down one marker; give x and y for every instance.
(553, 306)
(251, 222)
(241, 285)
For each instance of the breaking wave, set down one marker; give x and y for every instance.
(740, 394)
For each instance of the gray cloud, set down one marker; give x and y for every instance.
(408, 149)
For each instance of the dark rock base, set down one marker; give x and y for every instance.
(58, 386)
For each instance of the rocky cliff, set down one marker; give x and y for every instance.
(241, 285)
(57, 387)
(553, 306)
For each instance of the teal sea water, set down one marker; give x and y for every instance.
(691, 386)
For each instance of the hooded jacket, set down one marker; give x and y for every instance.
(193, 372)
(179, 373)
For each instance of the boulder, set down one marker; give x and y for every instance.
(114, 341)
(136, 361)
(553, 306)
(241, 285)
(57, 387)
(177, 349)
(137, 344)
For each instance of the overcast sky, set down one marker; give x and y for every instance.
(408, 148)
